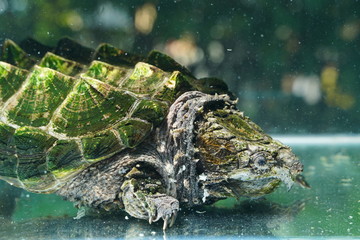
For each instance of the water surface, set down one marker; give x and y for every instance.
(331, 209)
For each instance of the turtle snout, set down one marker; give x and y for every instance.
(291, 162)
(288, 159)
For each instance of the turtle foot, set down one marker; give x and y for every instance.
(166, 208)
(143, 204)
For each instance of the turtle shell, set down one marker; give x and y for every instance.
(66, 107)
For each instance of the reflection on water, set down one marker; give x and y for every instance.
(334, 206)
(8, 194)
(330, 208)
(247, 219)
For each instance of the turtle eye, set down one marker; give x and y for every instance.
(260, 160)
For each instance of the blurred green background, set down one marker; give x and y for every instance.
(293, 64)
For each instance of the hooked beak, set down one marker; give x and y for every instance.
(295, 169)
(300, 179)
(288, 178)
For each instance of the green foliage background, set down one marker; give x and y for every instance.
(262, 43)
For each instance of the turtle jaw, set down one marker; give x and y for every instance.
(245, 182)
(287, 158)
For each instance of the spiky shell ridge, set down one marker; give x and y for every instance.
(61, 112)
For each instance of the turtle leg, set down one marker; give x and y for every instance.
(143, 199)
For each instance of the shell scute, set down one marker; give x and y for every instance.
(102, 145)
(43, 91)
(107, 73)
(11, 78)
(151, 110)
(13, 54)
(133, 131)
(64, 154)
(31, 148)
(166, 63)
(60, 64)
(78, 106)
(145, 79)
(112, 55)
(91, 107)
(8, 161)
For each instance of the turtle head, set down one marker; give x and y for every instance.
(236, 158)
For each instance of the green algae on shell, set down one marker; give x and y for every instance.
(69, 107)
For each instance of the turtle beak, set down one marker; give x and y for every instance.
(300, 179)
(286, 177)
(294, 169)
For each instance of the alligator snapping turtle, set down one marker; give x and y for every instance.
(108, 129)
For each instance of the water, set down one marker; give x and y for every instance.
(330, 209)
(294, 67)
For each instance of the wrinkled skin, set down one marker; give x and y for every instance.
(239, 159)
(205, 151)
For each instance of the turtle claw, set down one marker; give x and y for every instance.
(151, 207)
(173, 218)
(300, 179)
(169, 220)
(166, 219)
(166, 208)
